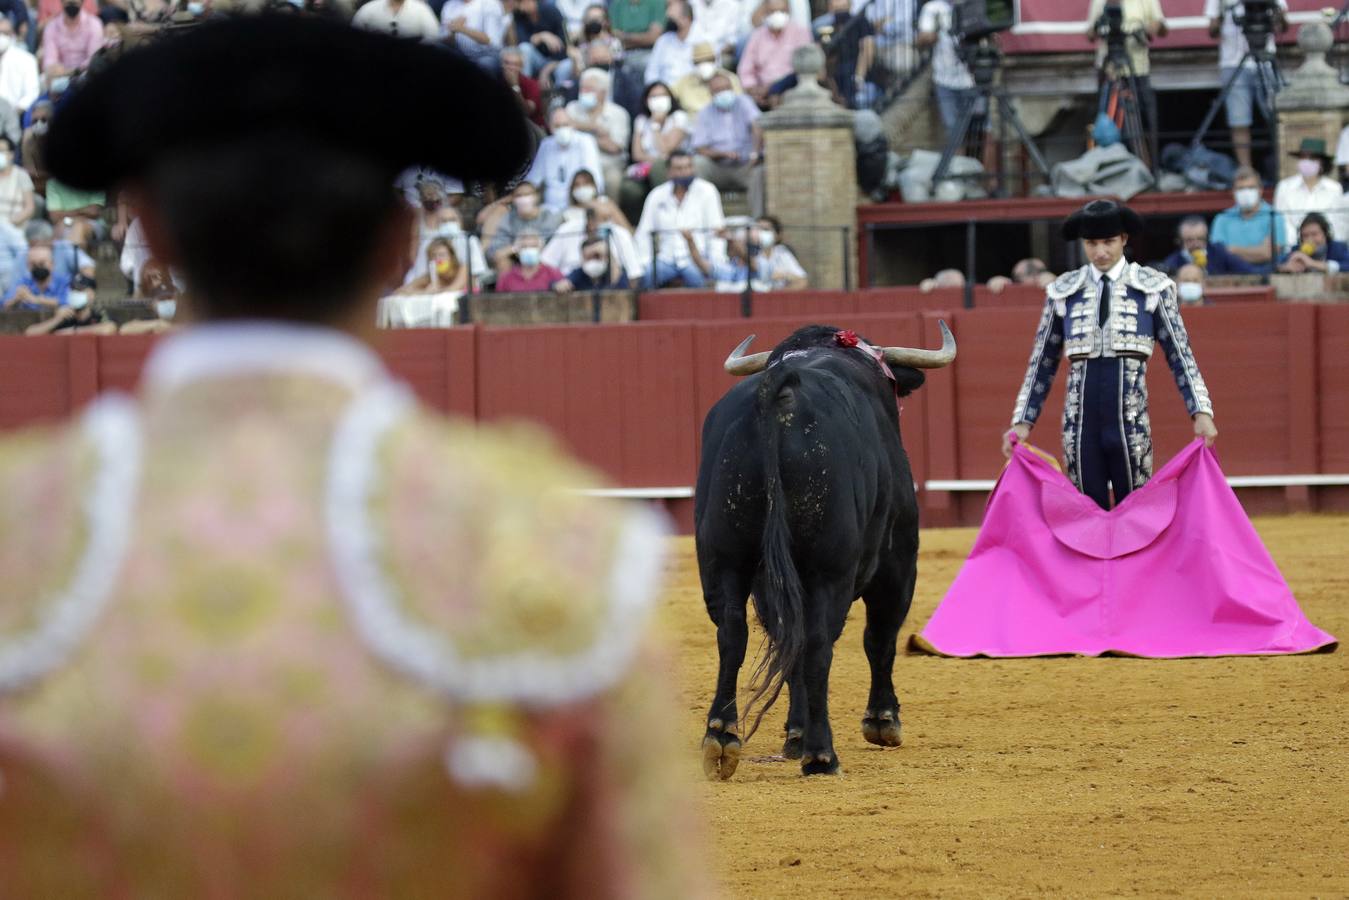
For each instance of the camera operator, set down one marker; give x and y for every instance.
(1229, 22)
(952, 81)
(1140, 21)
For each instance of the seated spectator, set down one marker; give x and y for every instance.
(1026, 271)
(540, 33)
(730, 274)
(774, 262)
(1251, 229)
(594, 114)
(70, 40)
(560, 156)
(638, 24)
(1310, 190)
(160, 294)
(20, 85)
(694, 90)
(1195, 247)
(1317, 250)
(475, 28)
(13, 255)
(443, 271)
(684, 203)
(722, 24)
(39, 288)
(586, 199)
(599, 218)
(850, 43)
(69, 258)
(526, 89)
(594, 46)
(729, 143)
(80, 213)
(1190, 285)
(598, 270)
(77, 315)
(50, 10)
(446, 225)
(529, 272)
(524, 214)
(400, 18)
(672, 56)
(17, 203)
(661, 128)
(768, 54)
(946, 278)
(31, 145)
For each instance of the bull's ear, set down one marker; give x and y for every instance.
(907, 380)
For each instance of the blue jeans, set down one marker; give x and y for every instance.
(667, 272)
(1244, 96)
(950, 102)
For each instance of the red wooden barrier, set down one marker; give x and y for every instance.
(687, 306)
(895, 300)
(1013, 295)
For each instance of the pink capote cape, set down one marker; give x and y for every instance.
(1175, 570)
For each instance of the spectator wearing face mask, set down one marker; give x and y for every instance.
(594, 114)
(684, 203)
(160, 294)
(1310, 190)
(672, 56)
(529, 273)
(70, 40)
(1030, 271)
(524, 213)
(1196, 248)
(39, 288)
(774, 262)
(68, 256)
(768, 54)
(660, 128)
(20, 85)
(694, 90)
(598, 270)
(1190, 285)
(77, 315)
(442, 272)
(728, 144)
(440, 221)
(16, 188)
(587, 219)
(560, 156)
(48, 10)
(1251, 228)
(594, 45)
(1316, 250)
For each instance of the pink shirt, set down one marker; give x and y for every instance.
(768, 56)
(71, 46)
(51, 9)
(516, 280)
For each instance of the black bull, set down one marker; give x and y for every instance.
(806, 501)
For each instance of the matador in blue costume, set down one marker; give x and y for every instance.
(1106, 317)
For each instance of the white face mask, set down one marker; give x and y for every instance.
(593, 267)
(526, 204)
(6, 41)
(1247, 198)
(766, 239)
(584, 193)
(706, 70)
(1309, 168)
(529, 256)
(659, 104)
(589, 99)
(77, 299)
(4, 160)
(1190, 291)
(166, 308)
(777, 20)
(449, 229)
(564, 135)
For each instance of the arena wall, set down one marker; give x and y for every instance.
(630, 399)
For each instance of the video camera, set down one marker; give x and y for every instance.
(1110, 28)
(1257, 20)
(974, 20)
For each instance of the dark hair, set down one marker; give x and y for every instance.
(774, 221)
(1317, 219)
(305, 215)
(646, 109)
(1191, 220)
(587, 173)
(592, 241)
(676, 154)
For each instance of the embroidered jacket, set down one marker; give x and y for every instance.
(1143, 311)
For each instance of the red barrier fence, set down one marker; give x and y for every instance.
(630, 399)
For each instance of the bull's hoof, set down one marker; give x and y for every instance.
(791, 748)
(825, 763)
(883, 729)
(721, 752)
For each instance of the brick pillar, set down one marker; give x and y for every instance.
(810, 176)
(1313, 103)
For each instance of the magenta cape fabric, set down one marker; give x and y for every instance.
(1174, 570)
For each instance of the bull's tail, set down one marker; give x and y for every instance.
(779, 597)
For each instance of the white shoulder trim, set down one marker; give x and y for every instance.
(526, 677)
(1067, 284)
(112, 425)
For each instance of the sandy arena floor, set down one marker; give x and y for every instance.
(1224, 777)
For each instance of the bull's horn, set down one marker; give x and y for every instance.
(746, 365)
(922, 359)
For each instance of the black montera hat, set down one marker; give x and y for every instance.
(396, 103)
(1101, 219)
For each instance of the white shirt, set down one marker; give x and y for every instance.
(554, 166)
(1114, 273)
(486, 16)
(1231, 41)
(663, 217)
(412, 179)
(778, 266)
(18, 78)
(947, 69)
(613, 119)
(1342, 152)
(718, 22)
(671, 59)
(573, 11)
(647, 132)
(413, 19)
(563, 250)
(466, 246)
(1294, 200)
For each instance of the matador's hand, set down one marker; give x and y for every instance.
(1021, 430)
(1204, 428)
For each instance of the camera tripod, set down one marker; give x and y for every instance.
(983, 61)
(1268, 81)
(1120, 99)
